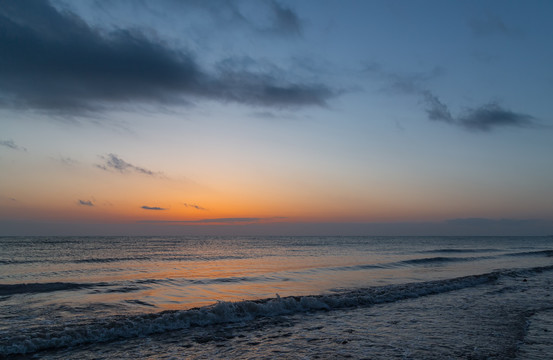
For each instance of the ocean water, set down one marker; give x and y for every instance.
(276, 297)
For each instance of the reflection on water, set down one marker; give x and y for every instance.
(65, 293)
(153, 274)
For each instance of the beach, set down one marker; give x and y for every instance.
(333, 297)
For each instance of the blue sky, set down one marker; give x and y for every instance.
(384, 117)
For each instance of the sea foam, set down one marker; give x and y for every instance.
(109, 329)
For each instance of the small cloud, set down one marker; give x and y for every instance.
(10, 144)
(85, 203)
(484, 118)
(194, 206)
(237, 220)
(114, 162)
(436, 110)
(8, 199)
(227, 220)
(489, 116)
(270, 115)
(152, 208)
(68, 161)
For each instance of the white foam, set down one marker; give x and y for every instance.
(32, 340)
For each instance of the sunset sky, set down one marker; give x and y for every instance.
(276, 117)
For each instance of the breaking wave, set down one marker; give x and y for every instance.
(104, 330)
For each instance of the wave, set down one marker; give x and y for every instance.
(101, 260)
(13, 289)
(29, 288)
(72, 261)
(32, 261)
(121, 286)
(548, 253)
(445, 259)
(33, 339)
(410, 262)
(109, 260)
(440, 259)
(454, 251)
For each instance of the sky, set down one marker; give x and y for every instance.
(307, 117)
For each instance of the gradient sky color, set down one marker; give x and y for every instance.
(276, 117)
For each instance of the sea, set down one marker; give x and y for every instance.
(275, 297)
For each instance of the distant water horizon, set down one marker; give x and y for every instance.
(275, 296)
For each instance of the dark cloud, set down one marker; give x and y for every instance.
(52, 60)
(229, 220)
(254, 17)
(216, 221)
(435, 109)
(194, 206)
(152, 208)
(10, 144)
(486, 117)
(206, 221)
(113, 162)
(85, 203)
(286, 21)
(489, 116)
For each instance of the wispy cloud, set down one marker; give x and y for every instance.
(10, 144)
(85, 203)
(8, 199)
(401, 83)
(152, 208)
(285, 20)
(226, 220)
(68, 161)
(267, 18)
(237, 220)
(194, 206)
(482, 118)
(76, 68)
(435, 109)
(114, 162)
(491, 25)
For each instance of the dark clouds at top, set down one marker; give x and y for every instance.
(53, 60)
